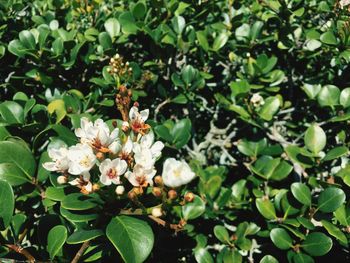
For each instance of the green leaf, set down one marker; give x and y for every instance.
(302, 193)
(232, 256)
(336, 153)
(317, 244)
(281, 238)
(7, 204)
(268, 259)
(193, 209)
(132, 237)
(220, 41)
(315, 138)
(112, 27)
(16, 48)
(302, 258)
(311, 90)
(27, 39)
(202, 39)
(266, 208)
(341, 215)
(222, 234)
(78, 201)
(78, 216)
(334, 231)
(329, 38)
(139, 10)
(17, 164)
(328, 96)
(58, 107)
(344, 98)
(331, 199)
(270, 108)
(12, 112)
(81, 236)
(56, 239)
(180, 99)
(203, 256)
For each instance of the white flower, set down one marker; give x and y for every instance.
(176, 173)
(138, 119)
(257, 100)
(81, 159)
(344, 3)
(59, 160)
(126, 150)
(98, 135)
(111, 170)
(140, 176)
(146, 152)
(119, 190)
(83, 182)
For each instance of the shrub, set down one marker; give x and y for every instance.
(159, 131)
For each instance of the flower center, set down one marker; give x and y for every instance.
(112, 173)
(177, 172)
(141, 180)
(85, 161)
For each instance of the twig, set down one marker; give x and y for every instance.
(162, 104)
(176, 227)
(81, 251)
(21, 251)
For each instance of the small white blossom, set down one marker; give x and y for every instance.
(344, 3)
(59, 160)
(125, 152)
(138, 119)
(83, 182)
(257, 100)
(81, 159)
(98, 135)
(111, 170)
(62, 179)
(140, 176)
(146, 152)
(119, 190)
(157, 212)
(176, 173)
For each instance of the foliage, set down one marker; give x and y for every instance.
(254, 95)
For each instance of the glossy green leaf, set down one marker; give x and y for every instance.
(7, 204)
(193, 209)
(315, 138)
(281, 238)
(81, 236)
(56, 239)
(302, 193)
(330, 199)
(132, 237)
(317, 244)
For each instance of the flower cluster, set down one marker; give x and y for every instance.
(121, 155)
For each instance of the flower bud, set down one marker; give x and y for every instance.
(62, 179)
(157, 192)
(120, 190)
(172, 194)
(157, 212)
(132, 195)
(158, 180)
(189, 197)
(125, 126)
(115, 124)
(95, 187)
(99, 156)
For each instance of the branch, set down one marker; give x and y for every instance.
(81, 251)
(21, 251)
(176, 227)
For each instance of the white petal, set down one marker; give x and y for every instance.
(75, 182)
(144, 114)
(50, 166)
(147, 140)
(122, 166)
(86, 176)
(157, 148)
(136, 148)
(115, 147)
(105, 180)
(105, 166)
(114, 135)
(74, 169)
(134, 112)
(127, 148)
(132, 178)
